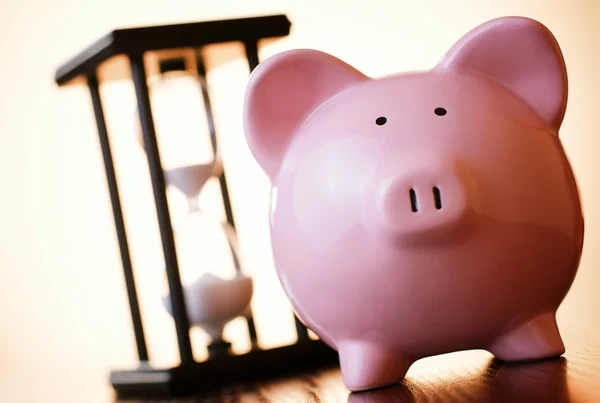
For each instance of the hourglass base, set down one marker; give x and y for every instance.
(224, 370)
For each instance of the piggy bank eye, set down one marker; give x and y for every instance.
(380, 121)
(440, 111)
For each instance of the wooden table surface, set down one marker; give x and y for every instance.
(468, 376)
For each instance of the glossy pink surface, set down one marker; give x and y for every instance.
(433, 232)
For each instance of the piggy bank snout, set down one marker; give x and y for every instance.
(422, 202)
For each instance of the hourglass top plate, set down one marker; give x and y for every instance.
(138, 40)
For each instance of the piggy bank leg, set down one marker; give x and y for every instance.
(366, 365)
(536, 339)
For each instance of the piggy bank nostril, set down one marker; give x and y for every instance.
(414, 202)
(437, 197)
(414, 206)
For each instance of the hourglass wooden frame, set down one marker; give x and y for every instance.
(120, 54)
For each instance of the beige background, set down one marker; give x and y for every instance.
(60, 279)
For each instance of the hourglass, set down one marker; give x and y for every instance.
(215, 289)
(199, 247)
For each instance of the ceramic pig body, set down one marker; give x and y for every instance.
(422, 213)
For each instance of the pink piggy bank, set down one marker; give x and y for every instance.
(422, 213)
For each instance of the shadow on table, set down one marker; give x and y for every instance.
(541, 381)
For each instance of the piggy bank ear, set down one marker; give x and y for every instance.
(281, 92)
(521, 54)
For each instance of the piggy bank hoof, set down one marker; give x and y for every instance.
(367, 366)
(536, 339)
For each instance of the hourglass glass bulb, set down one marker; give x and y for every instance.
(212, 302)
